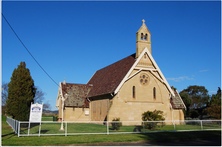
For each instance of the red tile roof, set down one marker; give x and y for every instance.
(76, 94)
(106, 80)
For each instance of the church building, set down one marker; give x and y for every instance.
(124, 89)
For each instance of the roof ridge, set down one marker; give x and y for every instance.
(117, 61)
(75, 84)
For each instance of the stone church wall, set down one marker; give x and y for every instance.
(130, 108)
(75, 114)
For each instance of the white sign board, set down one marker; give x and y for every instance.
(35, 112)
(86, 112)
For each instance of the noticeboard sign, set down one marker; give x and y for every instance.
(86, 112)
(35, 112)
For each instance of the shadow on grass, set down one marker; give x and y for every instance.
(113, 129)
(180, 136)
(9, 135)
(137, 129)
(133, 129)
(43, 131)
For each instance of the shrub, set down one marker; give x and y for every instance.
(55, 118)
(194, 114)
(116, 125)
(155, 115)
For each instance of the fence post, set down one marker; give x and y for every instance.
(107, 127)
(143, 127)
(39, 129)
(174, 126)
(66, 130)
(18, 128)
(28, 128)
(13, 126)
(201, 125)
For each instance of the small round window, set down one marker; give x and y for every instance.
(144, 79)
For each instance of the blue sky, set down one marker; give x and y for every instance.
(74, 39)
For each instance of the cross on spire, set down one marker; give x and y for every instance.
(143, 21)
(64, 82)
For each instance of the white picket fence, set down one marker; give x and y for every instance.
(24, 128)
(14, 124)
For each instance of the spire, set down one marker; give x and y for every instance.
(143, 39)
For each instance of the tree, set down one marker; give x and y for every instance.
(21, 91)
(39, 95)
(46, 106)
(4, 93)
(187, 101)
(195, 114)
(156, 115)
(216, 98)
(214, 108)
(199, 96)
(173, 88)
(214, 111)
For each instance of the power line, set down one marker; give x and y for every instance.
(29, 51)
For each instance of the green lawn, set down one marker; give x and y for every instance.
(54, 128)
(47, 118)
(9, 138)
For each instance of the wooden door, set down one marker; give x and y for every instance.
(99, 110)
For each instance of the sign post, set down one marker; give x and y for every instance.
(35, 115)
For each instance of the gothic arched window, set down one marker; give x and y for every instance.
(141, 36)
(154, 93)
(134, 93)
(145, 37)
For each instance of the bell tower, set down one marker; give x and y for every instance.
(143, 39)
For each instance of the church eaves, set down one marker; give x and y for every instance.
(176, 101)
